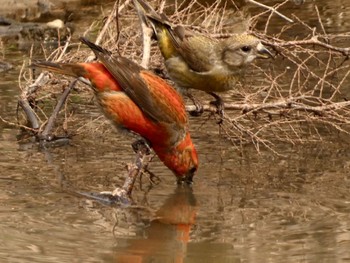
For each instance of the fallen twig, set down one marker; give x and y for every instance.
(46, 134)
(290, 104)
(24, 103)
(30, 114)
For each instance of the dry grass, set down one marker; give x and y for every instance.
(297, 102)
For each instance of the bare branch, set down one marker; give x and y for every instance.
(147, 33)
(299, 93)
(273, 10)
(46, 134)
(110, 19)
(278, 106)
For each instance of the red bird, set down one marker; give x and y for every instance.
(135, 99)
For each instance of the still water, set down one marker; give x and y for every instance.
(243, 206)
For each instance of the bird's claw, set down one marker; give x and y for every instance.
(198, 111)
(220, 106)
(141, 145)
(199, 107)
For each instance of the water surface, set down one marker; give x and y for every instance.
(244, 206)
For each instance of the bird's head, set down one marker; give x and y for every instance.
(188, 165)
(181, 159)
(241, 49)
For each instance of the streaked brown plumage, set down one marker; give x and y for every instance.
(197, 61)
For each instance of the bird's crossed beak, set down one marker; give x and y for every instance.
(263, 52)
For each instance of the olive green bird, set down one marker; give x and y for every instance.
(197, 61)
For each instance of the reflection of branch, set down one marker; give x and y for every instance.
(63, 182)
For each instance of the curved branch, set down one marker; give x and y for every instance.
(24, 103)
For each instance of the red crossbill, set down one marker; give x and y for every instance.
(139, 101)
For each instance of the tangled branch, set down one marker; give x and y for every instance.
(305, 86)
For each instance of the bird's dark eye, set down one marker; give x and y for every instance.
(246, 48)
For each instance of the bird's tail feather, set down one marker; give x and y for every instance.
(163, 29)
(148, 14)
(74, 70)
(95, 48)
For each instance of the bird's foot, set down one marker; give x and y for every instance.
(141, 144)
(198, 111)
(199, 107)
(220, 106)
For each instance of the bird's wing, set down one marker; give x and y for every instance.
(146, 92)
(197, 50)
(167, 99)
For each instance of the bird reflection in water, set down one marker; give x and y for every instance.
(167, 236)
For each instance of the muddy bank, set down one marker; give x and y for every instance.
(41, 10)
(23, 22)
